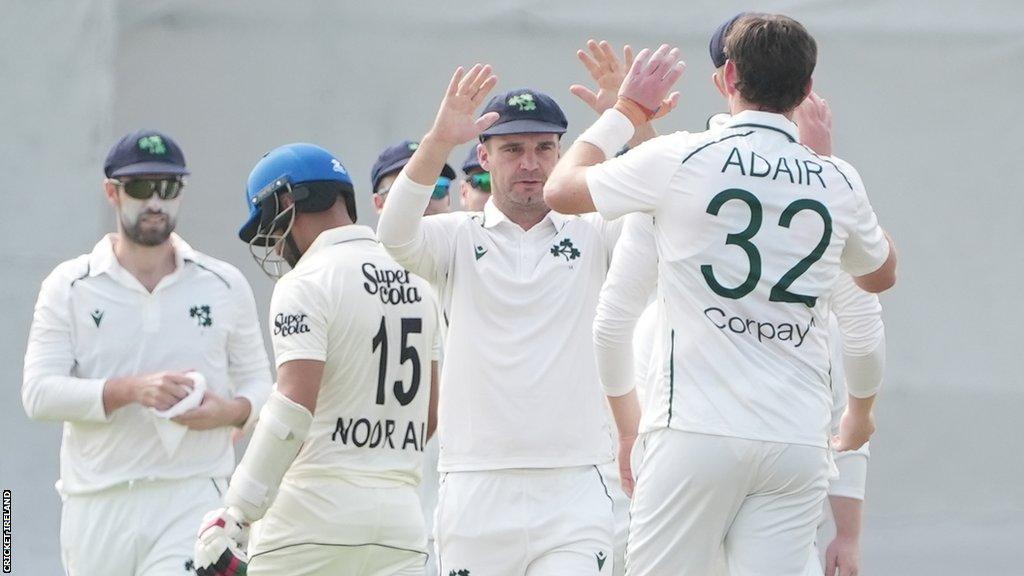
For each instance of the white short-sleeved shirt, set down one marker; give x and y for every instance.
(752, 230)
(95, 321)
(520, 386)
(374, 325)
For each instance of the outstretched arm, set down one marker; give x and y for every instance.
(401, 227)
(644, 91)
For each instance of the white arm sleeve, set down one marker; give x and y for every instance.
(248, 366)
(421, 244)
(853, 474)
(866, 247)
(859, 317)
(631, 279)
(636, 181)
(49, 391)
(643, 349)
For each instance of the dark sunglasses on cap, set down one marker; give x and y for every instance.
(440, 188)
(481, 181)
(144, 188)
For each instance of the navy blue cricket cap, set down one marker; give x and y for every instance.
(472, 162)
(144, 152)
(717, 44)
(525, 111)
(394, 158)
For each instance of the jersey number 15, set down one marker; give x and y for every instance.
(402, 394)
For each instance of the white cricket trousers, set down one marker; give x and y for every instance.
(328, 526)
(139, 528)
(532, 522)
(697, 495)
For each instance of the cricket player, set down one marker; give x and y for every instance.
(520, 489)
(391, 161)
(475, 188)
(752, 230)
(857, 350)
(329, 481)
(150, 353)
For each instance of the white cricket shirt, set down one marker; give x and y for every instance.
(374, 325)
(752, 229)
(94, 320)
(519, 385)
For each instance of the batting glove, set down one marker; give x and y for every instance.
(220, 546)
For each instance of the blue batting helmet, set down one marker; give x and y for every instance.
(313, 175)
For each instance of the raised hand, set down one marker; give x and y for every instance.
(814, 119)
(649, 80)
(607, 71)
(456, 120)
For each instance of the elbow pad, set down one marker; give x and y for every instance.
(280, 432)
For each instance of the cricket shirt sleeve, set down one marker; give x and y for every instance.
(637, 180)
(299, 311)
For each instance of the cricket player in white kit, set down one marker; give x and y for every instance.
(857, 351)
(522, 422)
(124, 338)
(752, 230)
(329, 481)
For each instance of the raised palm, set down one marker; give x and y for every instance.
(456, 120)
(607, 71)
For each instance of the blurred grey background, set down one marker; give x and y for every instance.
(924, 96)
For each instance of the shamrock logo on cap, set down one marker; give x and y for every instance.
(524, 102)
(152, 144)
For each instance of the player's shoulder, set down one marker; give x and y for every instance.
(847, 170)
(65, 274)
(225, 273)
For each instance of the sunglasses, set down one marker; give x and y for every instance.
(481, 181)
(441, 188)
(145, 188)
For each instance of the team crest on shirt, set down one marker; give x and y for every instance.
(462, 572)
(202, 315)
(565, 248)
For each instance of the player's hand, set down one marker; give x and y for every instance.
(215, 411)
(650, 78)
(607, 71)
(456, 120)
(220, 544)
(161, 390)
(625, 465)
(842, 558)
(855, 429)
(813, 117)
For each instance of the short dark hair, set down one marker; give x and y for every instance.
(774, 57)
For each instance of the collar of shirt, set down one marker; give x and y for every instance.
(338, 235)
(102, 260)
(768, 120)
(494, 216)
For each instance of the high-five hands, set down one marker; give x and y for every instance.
(608, 72)
(645, 89)
(456, 120)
